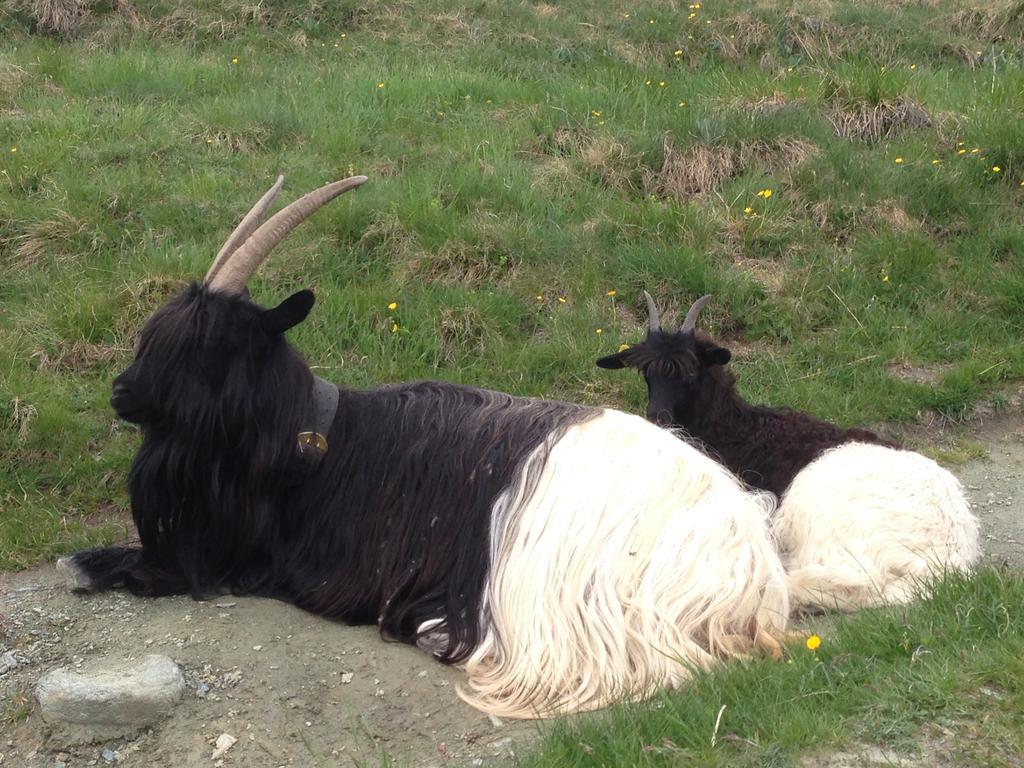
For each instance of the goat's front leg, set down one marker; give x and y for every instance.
(97, 570)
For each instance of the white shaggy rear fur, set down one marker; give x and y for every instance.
(631, 559)
(865, 525)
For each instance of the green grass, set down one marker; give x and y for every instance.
(516, 150)
(940, 681)
(527, 159)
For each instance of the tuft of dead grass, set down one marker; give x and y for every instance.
(996, 23)
(59, 18)
(79, 357)
(246, 142)
(20, 418)
(62, 236)
(740, 36)
(12, 78)
(462, 331)
(699, 169)
(462, 263)
(877, 122)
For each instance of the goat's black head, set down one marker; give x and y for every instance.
(672, 363)
(203, 348)
(209, 354)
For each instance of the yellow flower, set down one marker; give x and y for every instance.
(996, 169)
(765, 193)
(975, 151)
(961, 151)
(14, 149)
(234, 60)
(380, 85)
(678, 52)
(599, 331)
(344, 35)
(899, 161)
(209, 141)
(561, 299)
(395, 327)
(1022, 183)
(885, 276)
(538, 297)
(692, 15)
(595, 113)
(959, 143)
(651, 21)
(661, 83)
(913, 66)
(813, 642)
(393, 306)
(610, 293)
(600, 122)
(682, 104)
(936, 162)
(647, 82)
(748, 210)
(336, 45)
(623, 347)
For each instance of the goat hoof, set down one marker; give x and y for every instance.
(75, 576)
(434, 643)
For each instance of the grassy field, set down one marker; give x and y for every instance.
(846, 178)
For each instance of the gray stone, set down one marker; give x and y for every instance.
(111, 697)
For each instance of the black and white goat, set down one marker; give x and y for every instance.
(861, 522)
(566, 556)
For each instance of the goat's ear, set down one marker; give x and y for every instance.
(288, 313)
(611, 362)
(715, 355)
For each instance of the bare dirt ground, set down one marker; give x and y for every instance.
(297, 690)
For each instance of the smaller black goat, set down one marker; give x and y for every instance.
(689, 386)
(860, 523)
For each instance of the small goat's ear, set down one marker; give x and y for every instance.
(289, 312)
(611, 362)
(715, 355)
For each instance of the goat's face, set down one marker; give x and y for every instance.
(202, 350)
(674, 366)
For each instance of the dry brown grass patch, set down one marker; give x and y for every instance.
(79, 357)
(20, 418)
(462, 331)
(462, 263)
(876, 122)
(700, 168)
(12, 78)
(63, 236)
(741, 35)
(1003, 23)
(246, 142)
(60, 18)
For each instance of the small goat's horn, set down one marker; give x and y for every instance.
(653, 321)
(233, 275)
(245, 227)
(690, 323)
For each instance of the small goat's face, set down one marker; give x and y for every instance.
(201, 349)
(673, 365)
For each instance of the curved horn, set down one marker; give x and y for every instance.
(653, 321)
(690, 323)
(244, 229)
(233, 276)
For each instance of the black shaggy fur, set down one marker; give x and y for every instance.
(689, 386)
(393, 525)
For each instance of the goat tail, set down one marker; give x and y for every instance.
(624, 563)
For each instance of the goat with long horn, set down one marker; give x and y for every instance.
(566, 556)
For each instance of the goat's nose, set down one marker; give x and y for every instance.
(119, 389)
